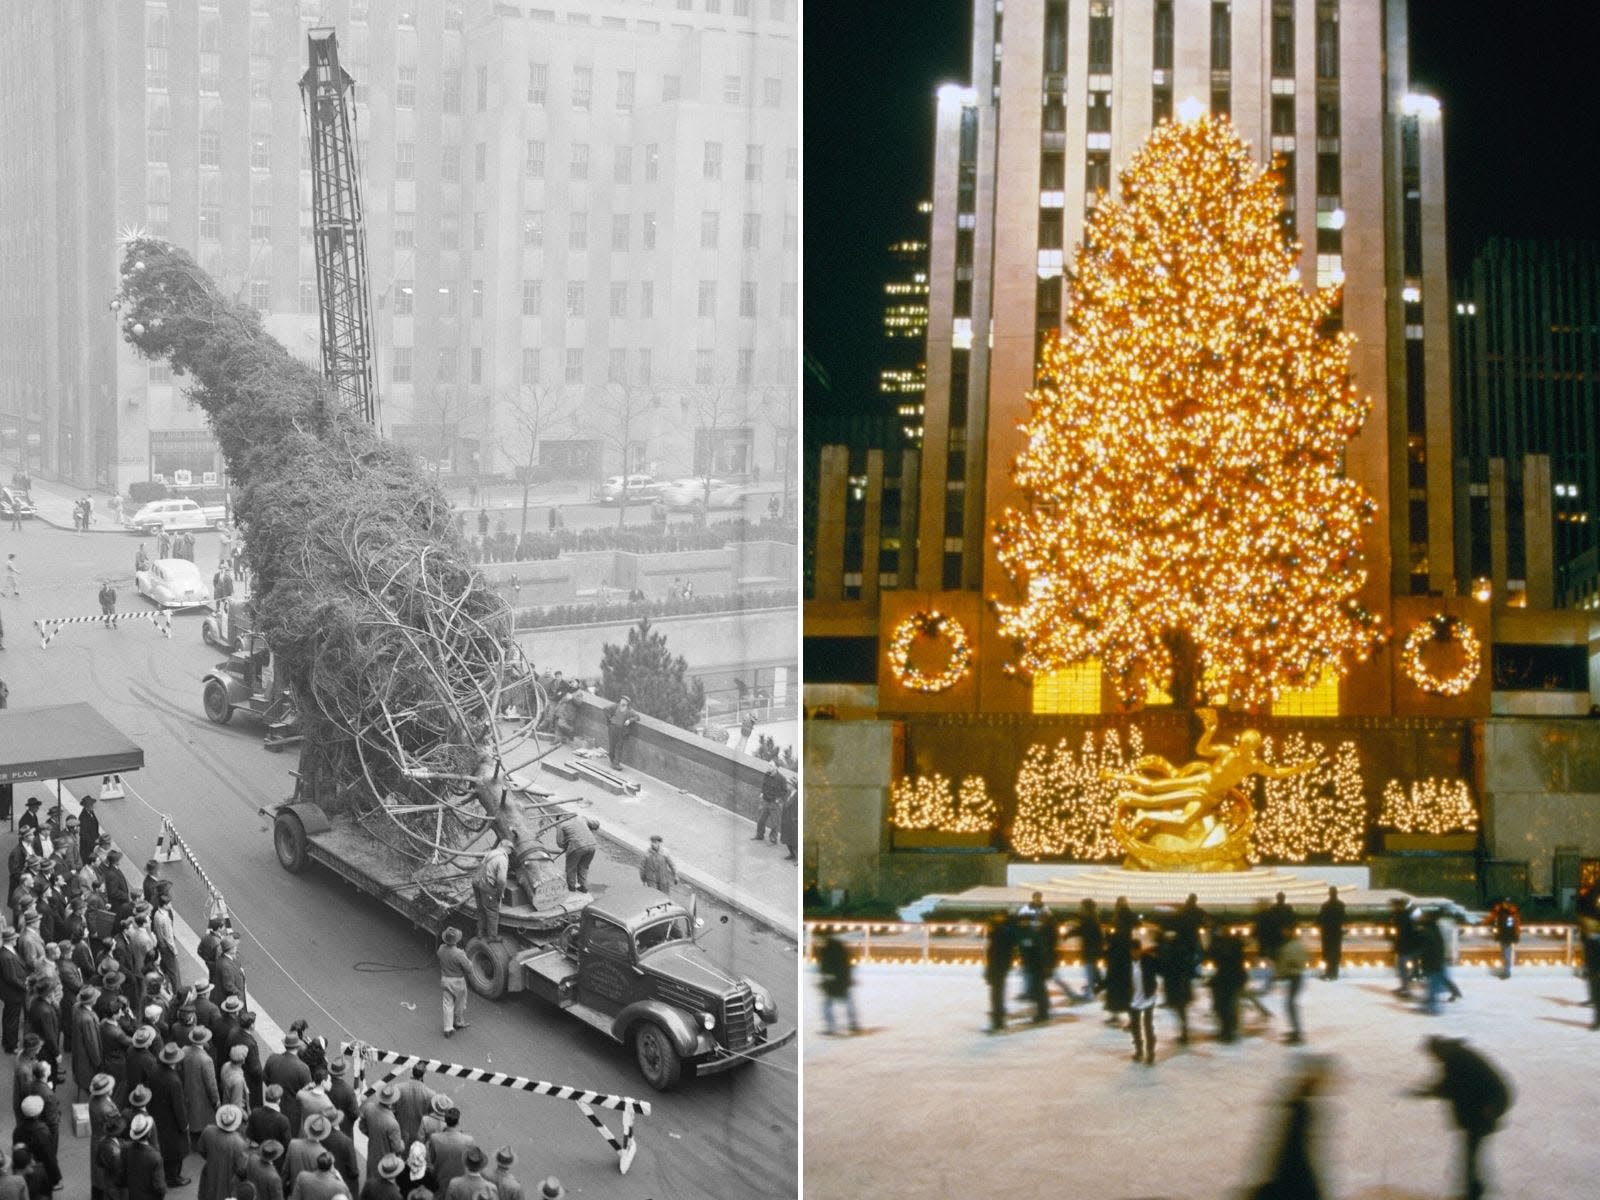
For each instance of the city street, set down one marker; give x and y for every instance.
(315, 948)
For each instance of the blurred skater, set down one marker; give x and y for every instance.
(1478, 1095)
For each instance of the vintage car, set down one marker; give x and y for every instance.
(691, 493)
(13, 501)
(170, 515)
(174, 583)
(640, 487)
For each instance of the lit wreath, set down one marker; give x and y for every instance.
(1442, 627)
(929, 624)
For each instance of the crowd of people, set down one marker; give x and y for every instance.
(92, 987)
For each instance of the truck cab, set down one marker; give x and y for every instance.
(632, 969)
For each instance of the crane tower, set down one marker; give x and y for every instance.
(338, 233)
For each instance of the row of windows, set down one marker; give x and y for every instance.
(578, 165)
(581, 93)
(572, 363)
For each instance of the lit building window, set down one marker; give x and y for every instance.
(1321, 699)
(1073, 690)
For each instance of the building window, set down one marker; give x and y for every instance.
(532, 297)
(261, 294)
(405, 160)
(1161, 51)
(450, 162)
(711, 163)
(789, 300)
(708, 299)
(580, 160)
(534, 163)
(574, 371)
(752, 164)
(745, 370)
(732, 89)
(1327, 117)
(705, 366)
(791, 231)
(479, 231)
(1327, 174)
(578, 231)
(619, 300)
(582, 87)
(261, 151)
(405, 292)
(538, 82)
(752, 231)
(1283, 116)
(211, 222)
(405, 229)
(772, 93)
(260, 222)
(626, 81)
(449, 231)
(158, 216)
(406, 18)
(155, 26)
(747, 299)
(156, 145)
(260, 79)
(1099, 112)
(709, 222)
(483, 88)
(401, 370)
(647, 299)
(530, 366)
(622, 164)
(1100, 37)
(1161, 105)
(1283, 40)
(652, 162)
(1327, 41)
(450, 91)
(617, 366)
(480, 162)
(574, 299)
(308, 297)
(1221, 37)
(451, 302)
(405, 87)
(671, 87)
(210, 149)
(647, 227)
(644, 365)
(1075, 690)
(1097, 172)
(619, 231)
(476, 359)
(210, 74)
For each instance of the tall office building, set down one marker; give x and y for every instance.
(1527, 381)
(588, 210)
(903, 378)
(1062, 94)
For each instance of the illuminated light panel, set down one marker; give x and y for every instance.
(1074, 689)
(1182, 460)
(926, 802)
(1065, 803)
(1429, 806)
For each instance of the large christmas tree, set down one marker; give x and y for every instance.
(1187, 513)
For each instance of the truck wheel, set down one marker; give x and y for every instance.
(289, 840)
(215, 700)
(658, 1058)
(489, 967)
(209, 636)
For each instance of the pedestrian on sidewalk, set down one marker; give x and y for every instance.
(1290, 967)
(170, 1112)
(223, 1147)
(657, 869)
(575, 836)
(791, 822)
(108, 604)
(1478, 1095)
(13, 575)
(833, 964)
(500, 1175)
(453, 967)
(1330, 925)
(620, 720)
(1506, 922)
(773, 791)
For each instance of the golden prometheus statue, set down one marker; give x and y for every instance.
(1196, 817)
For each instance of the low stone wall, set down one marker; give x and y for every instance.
(907, 875)
(683, 759)
(713, 643)
(576, 574)
(1541, 789)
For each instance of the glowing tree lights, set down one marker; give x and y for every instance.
(1442, 629)
(947, 638)
(925, 802)
(1322, 813)
(1065, 803)
(1187, 516)
(1430, 806)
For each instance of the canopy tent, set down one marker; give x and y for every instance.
(64, 741)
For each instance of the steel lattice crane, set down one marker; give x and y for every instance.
(337, 229)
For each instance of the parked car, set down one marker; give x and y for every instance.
(640, 487)
(12, 501)
(691, 493)
(171, 515)
(174, 583)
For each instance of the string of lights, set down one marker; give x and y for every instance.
(926, 802)
(929, 627)
(1428, 806)
(1183, 460)
(1065, 802)
(1442, 629)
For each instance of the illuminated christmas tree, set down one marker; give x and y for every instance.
(1187, 515)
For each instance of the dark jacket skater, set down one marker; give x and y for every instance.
(1330, 924)
(1175, 965)
(1119, 970)
(998, 957)
(1227, 981)
(1478, 1095)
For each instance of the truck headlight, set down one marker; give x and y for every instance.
(765, 1007)
(709, 1021)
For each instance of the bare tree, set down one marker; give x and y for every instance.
(781, 415)
(445, 411)
(617, 412)
(536, 410)
(718, 406)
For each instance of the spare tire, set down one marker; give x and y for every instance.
(488, 967)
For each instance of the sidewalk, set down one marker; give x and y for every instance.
(713, 849)
(54, 502)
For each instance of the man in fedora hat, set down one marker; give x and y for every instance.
(432, 1120)
(166, 936)
(267, 1122)
(342, 1095)
(223, 1147)
(447, 1150)
(117, 890)
(152, 880)
(144, 1168)
(500, 1175)
(261, 1169)
(313, 1098)
(319, 1181)
(227, 976)
(471, 1183)
(86, 1053)
(13, 991)
(33, 1133)
(339, 1144)
(169, 1109)
(453, 968)
(416, 1099)
(551, 1189)
(381, 1183)
(143, 1066)
(304, 1150)
(657, 869)
(103, 1119)
(289, 1071)
(382, 1128)
(199, 1072)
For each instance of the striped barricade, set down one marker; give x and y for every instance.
(587, 1101)
(170, 845)
(48, 627)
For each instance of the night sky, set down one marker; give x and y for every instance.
(1522, 141)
